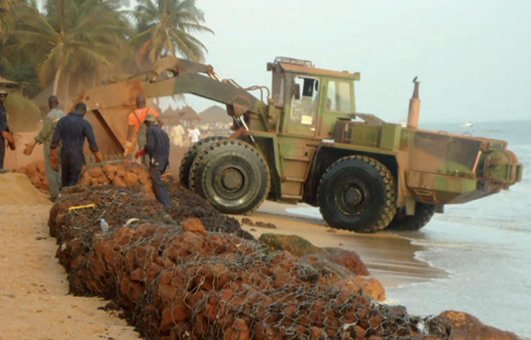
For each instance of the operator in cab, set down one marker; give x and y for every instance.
(158, 149)
(71, 131)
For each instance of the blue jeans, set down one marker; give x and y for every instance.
(70, 170)
(158, 186)
(2, 151)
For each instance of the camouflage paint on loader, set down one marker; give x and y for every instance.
(306, 143)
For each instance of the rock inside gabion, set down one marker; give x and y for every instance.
(180, 274)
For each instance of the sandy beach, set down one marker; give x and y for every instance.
(34, 299)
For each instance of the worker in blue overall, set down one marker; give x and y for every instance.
(5, 134)
(158, 149)
(71, 131)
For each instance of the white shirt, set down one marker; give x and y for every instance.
(194, 135)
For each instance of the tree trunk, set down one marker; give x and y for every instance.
(78, 86)
(56, 80)
(66, 98)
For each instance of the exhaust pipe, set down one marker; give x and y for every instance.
(414, 107)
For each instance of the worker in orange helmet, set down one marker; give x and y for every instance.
(136, 125)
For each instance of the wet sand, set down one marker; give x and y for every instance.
(389, 257)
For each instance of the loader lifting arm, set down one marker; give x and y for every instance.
(199, 79)
(111, 103)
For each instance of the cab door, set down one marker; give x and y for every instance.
(297, 140)
(337, 103)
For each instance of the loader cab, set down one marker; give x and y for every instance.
(311, 100)
(308, 101)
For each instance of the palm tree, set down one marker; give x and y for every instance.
(9, 10)
(166, 27)
(78, 36)
(7, 18)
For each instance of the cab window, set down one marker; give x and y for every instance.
(339, 98)
(304, 101)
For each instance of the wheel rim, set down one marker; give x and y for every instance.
(352, 197)
(231, 181)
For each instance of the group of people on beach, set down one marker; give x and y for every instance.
(180, 137)
(63, 137)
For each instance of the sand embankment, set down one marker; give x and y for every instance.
(34, 300)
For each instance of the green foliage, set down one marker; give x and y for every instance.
(168, 26)
(77, 37)
(76, 44)
(24, 72)
(7, 20)
(23, 114)
(9, 10)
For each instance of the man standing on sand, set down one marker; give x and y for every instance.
(5, 134)
(194, 134)
(45, 137)
(177, 133)
(72, 130)
(136, 125)
(158, 149)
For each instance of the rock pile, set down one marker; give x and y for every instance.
(177, 280)
(37, 175)
(121, 174)
(192, 273)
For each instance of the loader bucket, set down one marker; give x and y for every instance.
(109, 107)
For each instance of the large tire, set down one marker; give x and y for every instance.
(189, 156)
(357, 193)
(423, 214)
(232, 175)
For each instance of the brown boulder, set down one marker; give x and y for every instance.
(467, 327)
(36, 173)
(347, 259)
(95, 172)
(118, 182)
(130, 179)
(265, 225)
(109, 170)
(41, 167)
(194, 225)
(238, 331)
(247, 221)
(370, 286)
(30, 170)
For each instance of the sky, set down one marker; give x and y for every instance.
(472, 57)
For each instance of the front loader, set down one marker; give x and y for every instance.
(305, 142)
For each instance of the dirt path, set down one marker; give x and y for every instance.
(34, 300)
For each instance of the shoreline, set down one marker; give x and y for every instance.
(390, 258)
(35, 290)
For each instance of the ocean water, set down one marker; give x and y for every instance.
(484, 245)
